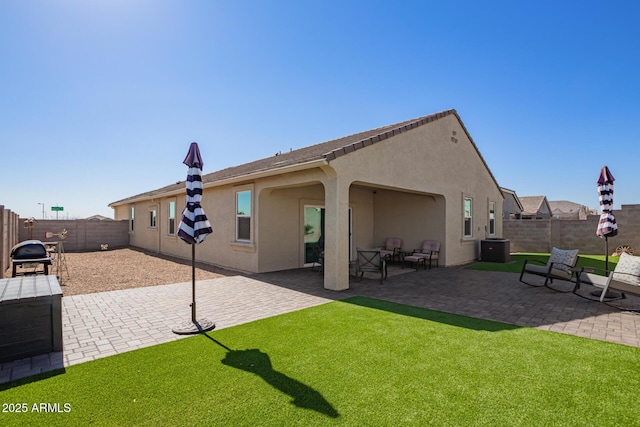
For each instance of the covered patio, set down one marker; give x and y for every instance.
(294, 224)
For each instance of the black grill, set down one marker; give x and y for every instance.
(30, 251)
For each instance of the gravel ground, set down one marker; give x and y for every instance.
(90, 272)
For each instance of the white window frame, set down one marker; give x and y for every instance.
(467, 218)
(239, 216)
(153, 217)
(492, 218)
(132, 215)
(170, 217)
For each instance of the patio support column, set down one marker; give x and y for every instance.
(336, 248)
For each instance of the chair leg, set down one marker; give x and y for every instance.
(522, 272)
(524, 267)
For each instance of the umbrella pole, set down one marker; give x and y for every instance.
(194, 326)
(609, 294)
(606, 254)
(193, 282)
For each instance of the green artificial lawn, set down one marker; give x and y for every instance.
(517, 261)
(355, 362)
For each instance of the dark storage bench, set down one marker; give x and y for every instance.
(495, 250)
(30, 316)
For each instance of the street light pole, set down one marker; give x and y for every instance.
(42, 209)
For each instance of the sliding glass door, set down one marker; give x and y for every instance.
(314, 232)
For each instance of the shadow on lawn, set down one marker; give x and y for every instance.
(433, 315)
(258, 363)
(38, 377)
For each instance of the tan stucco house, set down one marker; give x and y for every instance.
(419, 179)
(511, 206)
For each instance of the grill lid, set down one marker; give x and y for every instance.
(29, 249)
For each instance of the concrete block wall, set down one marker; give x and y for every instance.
(542, 235)
(9, 223)
(528, 235)
(82, 235)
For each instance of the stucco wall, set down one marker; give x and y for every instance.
(510, 207)
(437, 159)
(281, 230)
(410, 217)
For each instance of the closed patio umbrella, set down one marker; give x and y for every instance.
(193, 229)
(607, 226)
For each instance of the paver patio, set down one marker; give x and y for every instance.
(102, 324)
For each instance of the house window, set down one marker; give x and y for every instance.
(131, 217)
(468, 217)
(243, 216)
(492, 218)
(152, 218)
(172, 218)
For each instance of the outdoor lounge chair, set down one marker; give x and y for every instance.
(429, 252)
(560, 266)
(391, 249)
(371, 261)
(624, 278)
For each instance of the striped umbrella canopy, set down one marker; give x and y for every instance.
(193, 229)
(194, 225)
(607, 226)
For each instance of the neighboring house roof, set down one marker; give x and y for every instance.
(513, 194)
(534, 204)
(98, 218)
(298, 159)
(567, 209)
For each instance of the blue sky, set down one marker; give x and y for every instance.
(99, 100)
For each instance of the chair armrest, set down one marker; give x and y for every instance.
(624, 276)
(594, 270)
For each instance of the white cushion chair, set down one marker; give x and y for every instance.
(429, 252)
(391, 249)
(559, 266)
(624, 278)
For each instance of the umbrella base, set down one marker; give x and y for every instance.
(190, 327)
(609, 295)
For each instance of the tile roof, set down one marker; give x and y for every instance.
(565, 206)
(532, 204)
(327, 151)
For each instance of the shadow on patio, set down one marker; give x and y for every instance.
(496, 296)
